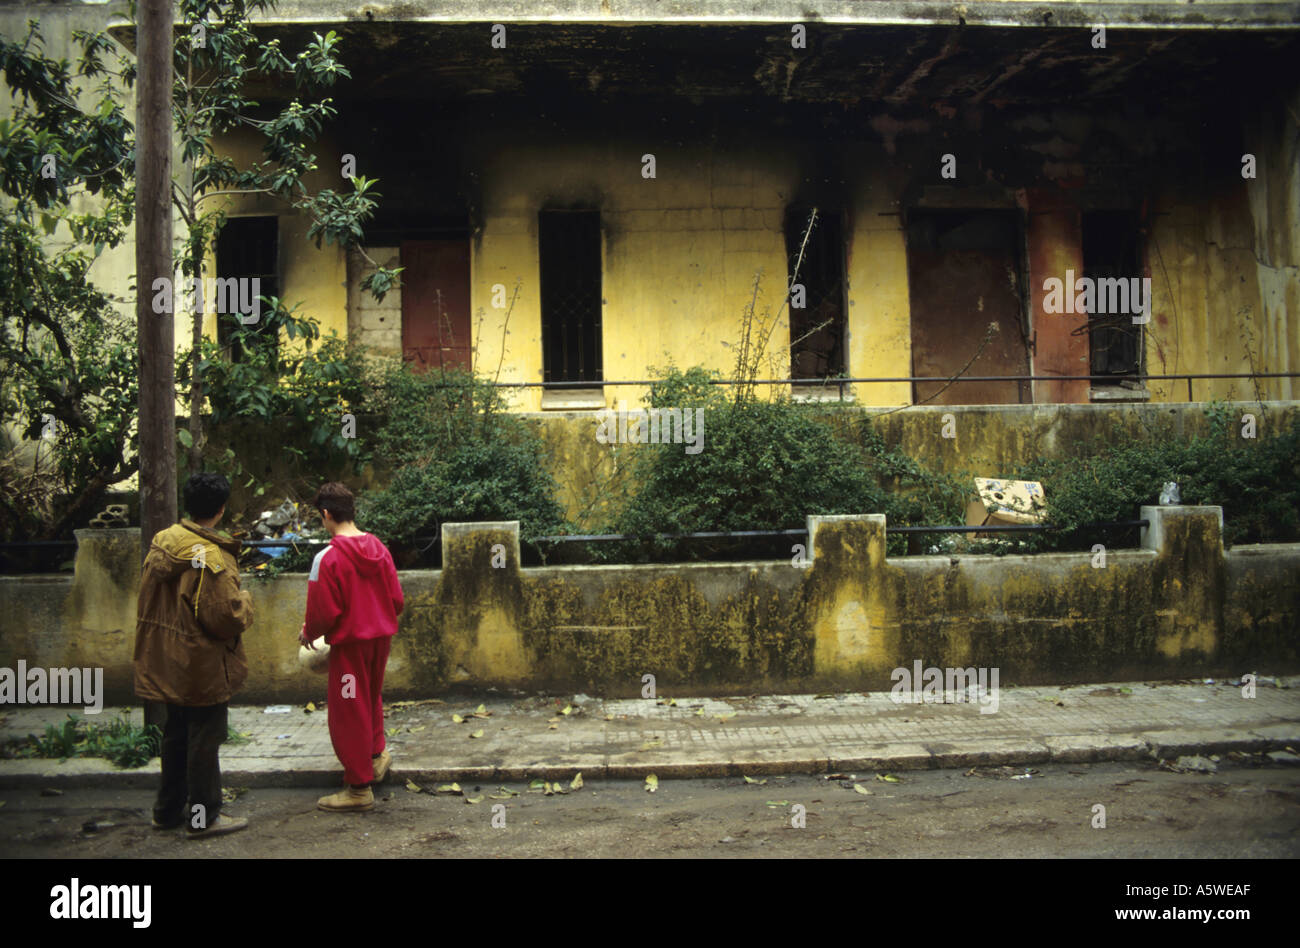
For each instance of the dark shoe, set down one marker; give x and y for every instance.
(174, 825)
(219, 827)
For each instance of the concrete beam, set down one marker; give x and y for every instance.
(1160, 14)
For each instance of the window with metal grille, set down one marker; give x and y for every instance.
(569, 258)
(816, 329)
(247, 248)
(1111, 250)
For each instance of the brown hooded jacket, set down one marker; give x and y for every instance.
(190, 619)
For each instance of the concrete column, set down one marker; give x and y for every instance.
(855, 630)
(1055, 241)
(100, 612)
(1157, 535)
(834, 530)
(1189, 579)
(480, 598)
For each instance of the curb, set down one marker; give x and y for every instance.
(326, 772)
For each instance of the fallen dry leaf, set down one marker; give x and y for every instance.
(651, 783)
(576, 782)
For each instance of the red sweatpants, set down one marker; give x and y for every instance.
(356, 706)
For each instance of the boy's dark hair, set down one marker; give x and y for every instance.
(338, 500)
(205, 494)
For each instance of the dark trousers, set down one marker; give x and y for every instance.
(191, 768)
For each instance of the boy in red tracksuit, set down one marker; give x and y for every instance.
(353, 599)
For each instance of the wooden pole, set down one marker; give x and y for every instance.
(153, 261)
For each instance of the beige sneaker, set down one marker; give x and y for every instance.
(347, 800)
(381, 764)
(219, 827)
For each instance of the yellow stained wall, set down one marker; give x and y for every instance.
(879, 343)
(317, 279)
(681, 252)
(1224, 258)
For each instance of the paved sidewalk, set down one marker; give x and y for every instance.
(524, 737)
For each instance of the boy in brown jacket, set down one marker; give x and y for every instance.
(189, 655)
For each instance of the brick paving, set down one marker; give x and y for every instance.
(528, 736)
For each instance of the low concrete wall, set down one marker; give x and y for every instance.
(1180, 606)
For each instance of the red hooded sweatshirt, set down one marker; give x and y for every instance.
(353, 592)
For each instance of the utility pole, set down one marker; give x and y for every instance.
(153, 261)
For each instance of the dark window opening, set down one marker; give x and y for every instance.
(247, 249)
(1111, 250)
(569, 259)
(816, 329)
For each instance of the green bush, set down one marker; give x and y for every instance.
(767, 465)
(1256, 481)
(456, 456)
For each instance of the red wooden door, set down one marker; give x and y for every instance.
(435, 304)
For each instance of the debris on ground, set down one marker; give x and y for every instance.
(1191, 764)
(1004, 772)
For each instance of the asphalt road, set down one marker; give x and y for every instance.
(1246, 809)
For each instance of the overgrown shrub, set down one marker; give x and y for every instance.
(456, 455)
(767, 465)
(1256, 481)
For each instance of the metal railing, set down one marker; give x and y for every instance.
(618, 537)
(832, 383)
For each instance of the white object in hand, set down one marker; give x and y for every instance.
(317, 659)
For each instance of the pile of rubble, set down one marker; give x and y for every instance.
(284, 522)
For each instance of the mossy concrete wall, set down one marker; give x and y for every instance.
(989, 440)
(843, 616)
